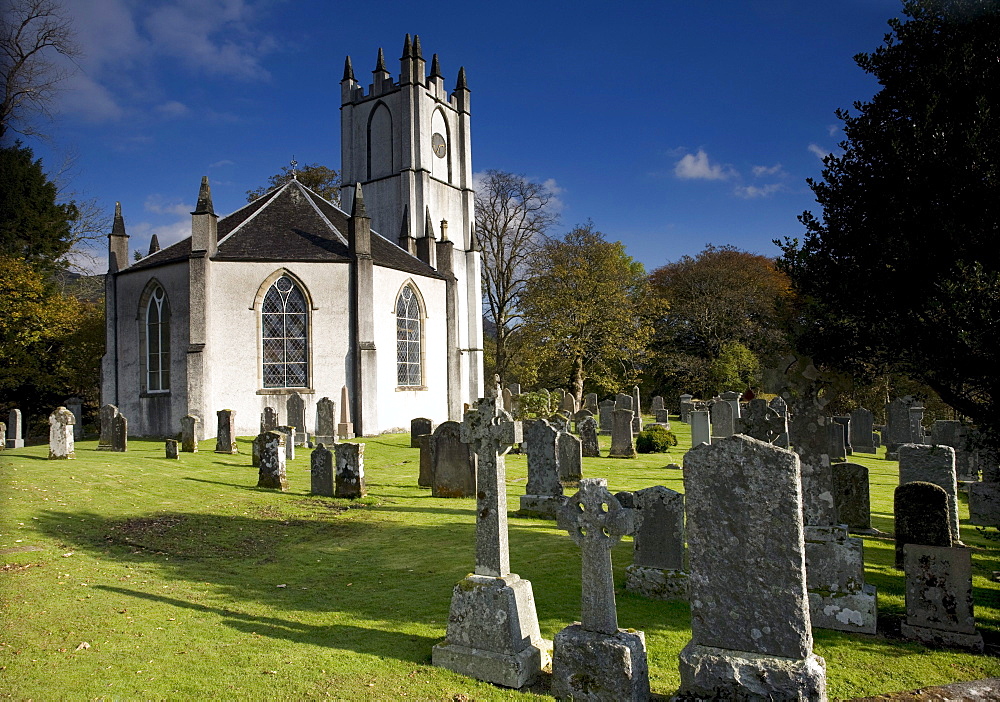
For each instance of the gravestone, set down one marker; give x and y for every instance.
(15, 432)
(295, 411)
(589, 445)
(515, 388)
(268, 419)
(225, 438)
(272, 461)
(984, 497)
(454, 463)
(350, 476)
(917, 425)
(288, 431)
(425, 478)
(568, 404)
(419, 427)
(851, 496)
(939, 608)
(837, 450)
(560, 421)
(897, 424)
(544, 492)
(657, 404)
(594, 659)
(955, 434)
(590, 402)
(845, 422)
(932, 464)
(75, 405)
(921, 516)
(760, 422)
(686, 407)
(606, 413)
(621, 435)
(326, 422)
(701, 430)
(190, 432)
(723, 423)
(3, 436)
(345, 429)
(107, 416)
(751, 636)
(172, 449)
(321, 469)
(570, 450)
(636, 423)
(493, 630)
(61, 423)
(623, 401)
(508, 400)
(862, 430)
(119, 433)
(733, 398)
(662, 416)
(657, 569)
(636, 404)
(579, 417)
(255, 445)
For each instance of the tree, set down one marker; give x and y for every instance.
(321, 180)
(33, 226)
(512, 215)
(724, 318)
(902, 271)
(587, 310)
(32, 34)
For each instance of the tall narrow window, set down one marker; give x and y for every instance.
(284, 325)
(157, 342)
(408, 339)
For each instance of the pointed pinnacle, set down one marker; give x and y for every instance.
(380, 66)
(358, 208)
(404, 227)
(118, 227)
(460, 83)
(429, 225)
(154, 245)
(348, 70)
(474, 244)
(204, 205)
(417, 53)
(435, 67)
(407, 48)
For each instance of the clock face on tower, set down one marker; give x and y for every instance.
(438, 145)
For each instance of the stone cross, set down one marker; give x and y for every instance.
(596, 521)
(492, 432)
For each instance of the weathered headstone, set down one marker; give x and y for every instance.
(686, 407)
(560, 421)
(932, 464)
(862, 431)
(288, 431)
(636, 404)
(272, 461)
(921, 516)
(897, 424)
(657, 403)
(3, 436)
(119, 433)
(190, 432)
(956, 434)
(172, 449)
(733, 398)
(425, 477)
(515, 388)
(107, 415)
(544, 492)
(345, 429)
(508, 400)
(61, 423)
(845, 422)
(579, 417)
(295, 411)
(837, 450)
(751, 636)
(760, 422)
(418, 427)
(939, 608)
(255, 445)
(623, 401)
(851, 496)
(268, 419)
(568, 404)
(606, 413)
(454, 468)
(594, 659)
(321, 469)
(570, 451)
(984, 497)
(75, 405)
(621, 435)
(493, 630)
(701, 429)
(589, 445)
(590, 402)
(350, 476)
(723, 424)
(657, 569)
(15, 435)
(917, 425)
(225, 438)
(326, 421)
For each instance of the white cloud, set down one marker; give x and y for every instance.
(760, 171)
(832, 129)
(172, 108)
(698, 167)
(818, 151)
(156, 205)
(166, 234)
(223, 162)
(750, 192)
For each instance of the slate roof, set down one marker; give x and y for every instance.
(290, 223)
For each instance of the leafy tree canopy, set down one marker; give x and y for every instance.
(320, 179)
(902, 270)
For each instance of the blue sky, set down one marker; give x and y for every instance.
(670, 124)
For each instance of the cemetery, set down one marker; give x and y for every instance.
(379, 567)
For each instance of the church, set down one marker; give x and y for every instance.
(292, 294)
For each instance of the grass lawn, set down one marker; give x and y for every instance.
(186, 581)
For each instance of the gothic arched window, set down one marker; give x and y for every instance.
(157, 342)
(284, 335)
(408, 341)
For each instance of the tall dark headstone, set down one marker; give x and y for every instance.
(921, 516)
(418, 427)
(851, 494)
(321, 469)
(454, 463)
(657, 569)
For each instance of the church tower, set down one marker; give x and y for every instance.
(407, 142)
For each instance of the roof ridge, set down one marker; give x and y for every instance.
(308, 192)
(273, 194)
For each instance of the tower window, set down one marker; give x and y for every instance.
(157, 342)
(408, 341)
(284, 331)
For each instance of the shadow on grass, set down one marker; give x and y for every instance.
(378, 642)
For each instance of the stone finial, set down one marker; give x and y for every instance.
(407, 49)
(204, 205)
(154, 245)
(380, 65)
(435, 67)
(348, 70)
(417, 52)
(474, 244)
(358, 208)
(429, 225)
(461, 84)
(118, 227)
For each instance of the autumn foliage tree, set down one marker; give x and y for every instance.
(321, 180)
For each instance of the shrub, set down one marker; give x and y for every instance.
(655, 439)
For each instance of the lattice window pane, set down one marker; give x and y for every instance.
(285, 344)
(408, 341)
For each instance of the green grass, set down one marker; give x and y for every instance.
(189, 582)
